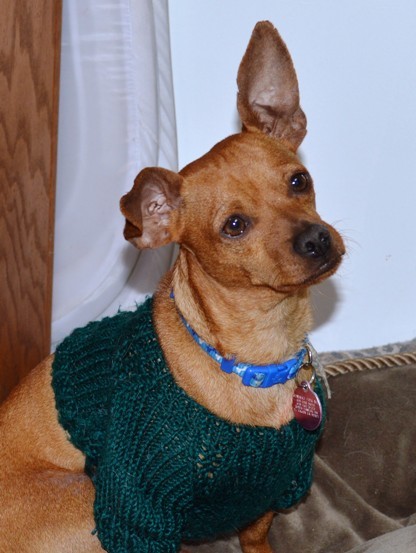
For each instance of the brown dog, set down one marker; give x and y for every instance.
(251, 243)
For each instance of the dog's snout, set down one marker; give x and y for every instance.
(314, 241)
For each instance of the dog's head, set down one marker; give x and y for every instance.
(246, 209)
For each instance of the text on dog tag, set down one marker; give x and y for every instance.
(307, 406)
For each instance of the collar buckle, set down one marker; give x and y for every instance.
(257, 376)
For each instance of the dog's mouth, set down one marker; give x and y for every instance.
(327, 268)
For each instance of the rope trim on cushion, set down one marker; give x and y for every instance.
(370, 363)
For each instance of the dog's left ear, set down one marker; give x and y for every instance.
(149, 206)
(268, 93)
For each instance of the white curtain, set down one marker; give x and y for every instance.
(116, 117)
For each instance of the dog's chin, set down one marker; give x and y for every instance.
(323, 271)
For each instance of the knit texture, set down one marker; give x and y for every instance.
(165, 469)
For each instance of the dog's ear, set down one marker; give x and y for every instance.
(268, 93)
(148, 208)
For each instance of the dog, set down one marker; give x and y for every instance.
(236, 301)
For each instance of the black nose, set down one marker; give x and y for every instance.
(314, 241)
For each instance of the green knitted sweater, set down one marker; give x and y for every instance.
(165, 469)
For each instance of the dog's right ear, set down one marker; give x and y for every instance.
(268, 93)
(149, 206)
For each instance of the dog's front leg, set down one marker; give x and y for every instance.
(253, 538)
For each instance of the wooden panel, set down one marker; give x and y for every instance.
(29, 82)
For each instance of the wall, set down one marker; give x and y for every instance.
(356, 66)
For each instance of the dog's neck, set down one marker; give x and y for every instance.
(257, 324)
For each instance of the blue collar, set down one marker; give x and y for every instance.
(256, 376)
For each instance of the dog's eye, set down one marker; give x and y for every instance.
(236, 225)
(300, 182)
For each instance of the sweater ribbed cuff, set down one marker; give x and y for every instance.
(127, 541)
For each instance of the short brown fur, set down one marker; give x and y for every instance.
(246, 295)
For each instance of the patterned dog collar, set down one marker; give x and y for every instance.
(256, 376)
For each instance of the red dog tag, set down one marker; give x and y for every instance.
(307, 406)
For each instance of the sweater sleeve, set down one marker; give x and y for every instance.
(143, 480)
(83, 378)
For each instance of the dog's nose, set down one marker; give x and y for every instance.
(314, 241)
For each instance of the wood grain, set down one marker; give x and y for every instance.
(29, 84)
